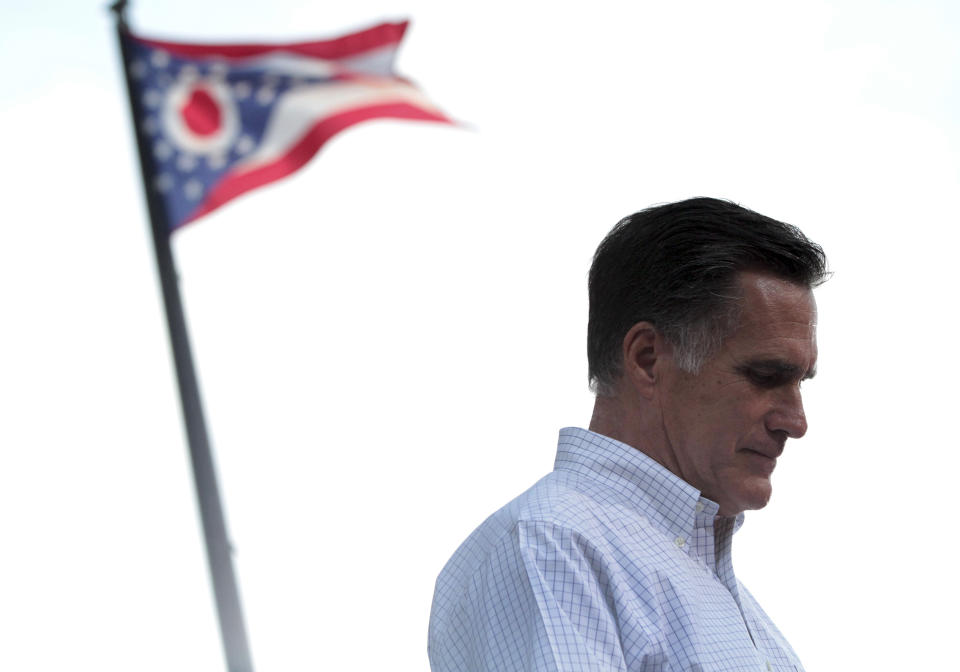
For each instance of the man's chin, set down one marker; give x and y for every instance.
(758, 494)
(754, 494)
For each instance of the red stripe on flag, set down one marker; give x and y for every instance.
(345, 46)
(235, 185)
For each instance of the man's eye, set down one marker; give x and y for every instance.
(763, 379)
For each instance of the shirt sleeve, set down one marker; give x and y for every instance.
(541, 601)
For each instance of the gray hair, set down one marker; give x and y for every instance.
(676, 266)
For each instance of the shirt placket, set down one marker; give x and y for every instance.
(723, 535)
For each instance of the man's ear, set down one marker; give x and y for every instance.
(642, 347)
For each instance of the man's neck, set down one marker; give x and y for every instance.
(634, 425)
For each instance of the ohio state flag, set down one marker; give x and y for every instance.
(221, 120)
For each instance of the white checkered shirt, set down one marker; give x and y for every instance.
(610, 562)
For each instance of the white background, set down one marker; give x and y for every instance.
(389, 340)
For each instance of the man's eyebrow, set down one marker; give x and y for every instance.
(777, 367)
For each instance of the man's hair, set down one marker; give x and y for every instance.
(676, 266)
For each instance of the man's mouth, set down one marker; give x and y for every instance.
(768, 458)
(772, 453)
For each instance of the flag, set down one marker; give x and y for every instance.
(220, 120)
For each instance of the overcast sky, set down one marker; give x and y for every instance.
(389, 340)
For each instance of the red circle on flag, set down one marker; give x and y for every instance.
(199, 116)
(201, 113)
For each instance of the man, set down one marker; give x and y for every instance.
(702, 327)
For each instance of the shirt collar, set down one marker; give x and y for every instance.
(665, 498)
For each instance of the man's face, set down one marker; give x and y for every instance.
(726, 425)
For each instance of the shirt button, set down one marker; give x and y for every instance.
(699, 507)
(679, 541)
(769, 666)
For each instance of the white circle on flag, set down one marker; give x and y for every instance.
(199, 115)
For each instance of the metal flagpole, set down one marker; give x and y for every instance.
(232, 629)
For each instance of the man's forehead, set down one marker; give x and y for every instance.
(771, 301)
(777, 327)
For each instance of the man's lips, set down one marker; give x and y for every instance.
(771, 453)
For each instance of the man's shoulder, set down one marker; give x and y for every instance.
(567, 534)
(502, 585)
(558, 502)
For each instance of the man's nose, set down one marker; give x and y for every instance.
(788, 415)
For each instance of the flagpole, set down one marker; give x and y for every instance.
(232, 629)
